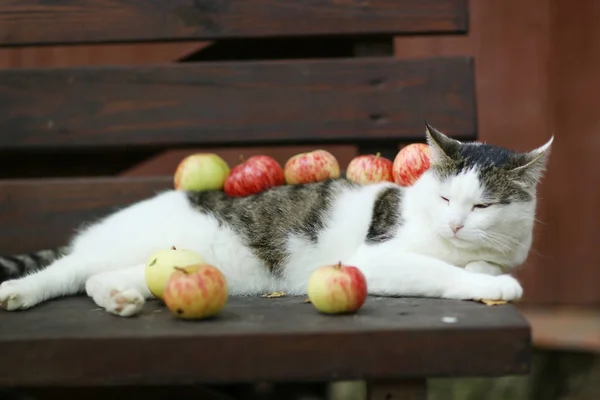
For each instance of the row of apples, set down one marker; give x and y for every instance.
(208, 171)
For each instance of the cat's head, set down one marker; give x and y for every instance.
(482, 194)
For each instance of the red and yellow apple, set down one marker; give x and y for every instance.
(370, 168)
(336, 289)
(254, 175)
(410, 163)
(312, 166)
(162, 264)
(201, 171)
(196, 292)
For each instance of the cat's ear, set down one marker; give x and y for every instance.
(442, 147)
(531, 165)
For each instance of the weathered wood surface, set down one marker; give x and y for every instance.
(35, 22)
(278, 102)
(71, 342)
(38, 214)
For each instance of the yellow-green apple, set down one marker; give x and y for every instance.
(370, 168)
(201, 171)
(254, 175)
(410, 163)
(196, 291)
(162, 264)
(312, 166)
(338, 288)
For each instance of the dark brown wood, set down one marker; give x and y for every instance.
(280, 48)
(376, 47)
(150, 392)
(415, 389)
(38, 214)
(278, 102)
(28, 22)
(567, 271)
(72, 342)
(69, 164)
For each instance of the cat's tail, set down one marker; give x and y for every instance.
(18, 265)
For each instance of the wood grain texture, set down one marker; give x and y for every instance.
(71, 342)
(278, 102)
(571, 194)
(39, 214)
(564, 328)
(28, 22)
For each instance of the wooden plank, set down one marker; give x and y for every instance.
(70, 342)
(564, 328)
(268, 102)
(38, 22)
(376, 48)
(40, 214)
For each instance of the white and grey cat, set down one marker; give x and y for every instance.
(455, 234)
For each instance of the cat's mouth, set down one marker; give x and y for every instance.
(458, 241)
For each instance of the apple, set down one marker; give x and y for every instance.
(370, 169)
(162, 264)
(196, 291)
(338, 288)
(312, 166)
(410, 163)
(201, 171)
(254, 175)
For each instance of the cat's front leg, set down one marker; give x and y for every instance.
(484, 267)
(393, 273)
(121, 292)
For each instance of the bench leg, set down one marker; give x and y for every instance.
(415, 389)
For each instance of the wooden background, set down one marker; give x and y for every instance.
(537, 74)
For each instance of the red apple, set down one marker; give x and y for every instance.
(338, 288)
(195, 292)
(410, 163)
(201, 171)
(254, 175)
(312, 166)
(370, 169)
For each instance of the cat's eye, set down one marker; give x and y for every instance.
(485, 205)
(445, 199)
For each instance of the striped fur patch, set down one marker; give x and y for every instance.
(18, 265)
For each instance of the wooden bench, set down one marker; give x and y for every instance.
(277, 72)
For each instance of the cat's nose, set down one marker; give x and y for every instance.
(455, 226)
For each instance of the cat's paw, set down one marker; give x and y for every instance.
(114, 298)
(479, 286)
(483, 267)
(125, 303)
(16, 295)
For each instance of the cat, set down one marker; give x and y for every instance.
(456, 233)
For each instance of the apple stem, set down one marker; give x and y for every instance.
(173, 248)
(181, 269)
(338, 265)
(377, 155)
(242, 158)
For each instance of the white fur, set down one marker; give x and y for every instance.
(424, 259)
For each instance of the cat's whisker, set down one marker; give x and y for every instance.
(495, 242)
(539, 221)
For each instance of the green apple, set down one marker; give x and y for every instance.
(163, 263)
(201, 171)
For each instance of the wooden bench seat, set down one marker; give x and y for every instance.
(71, 342)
